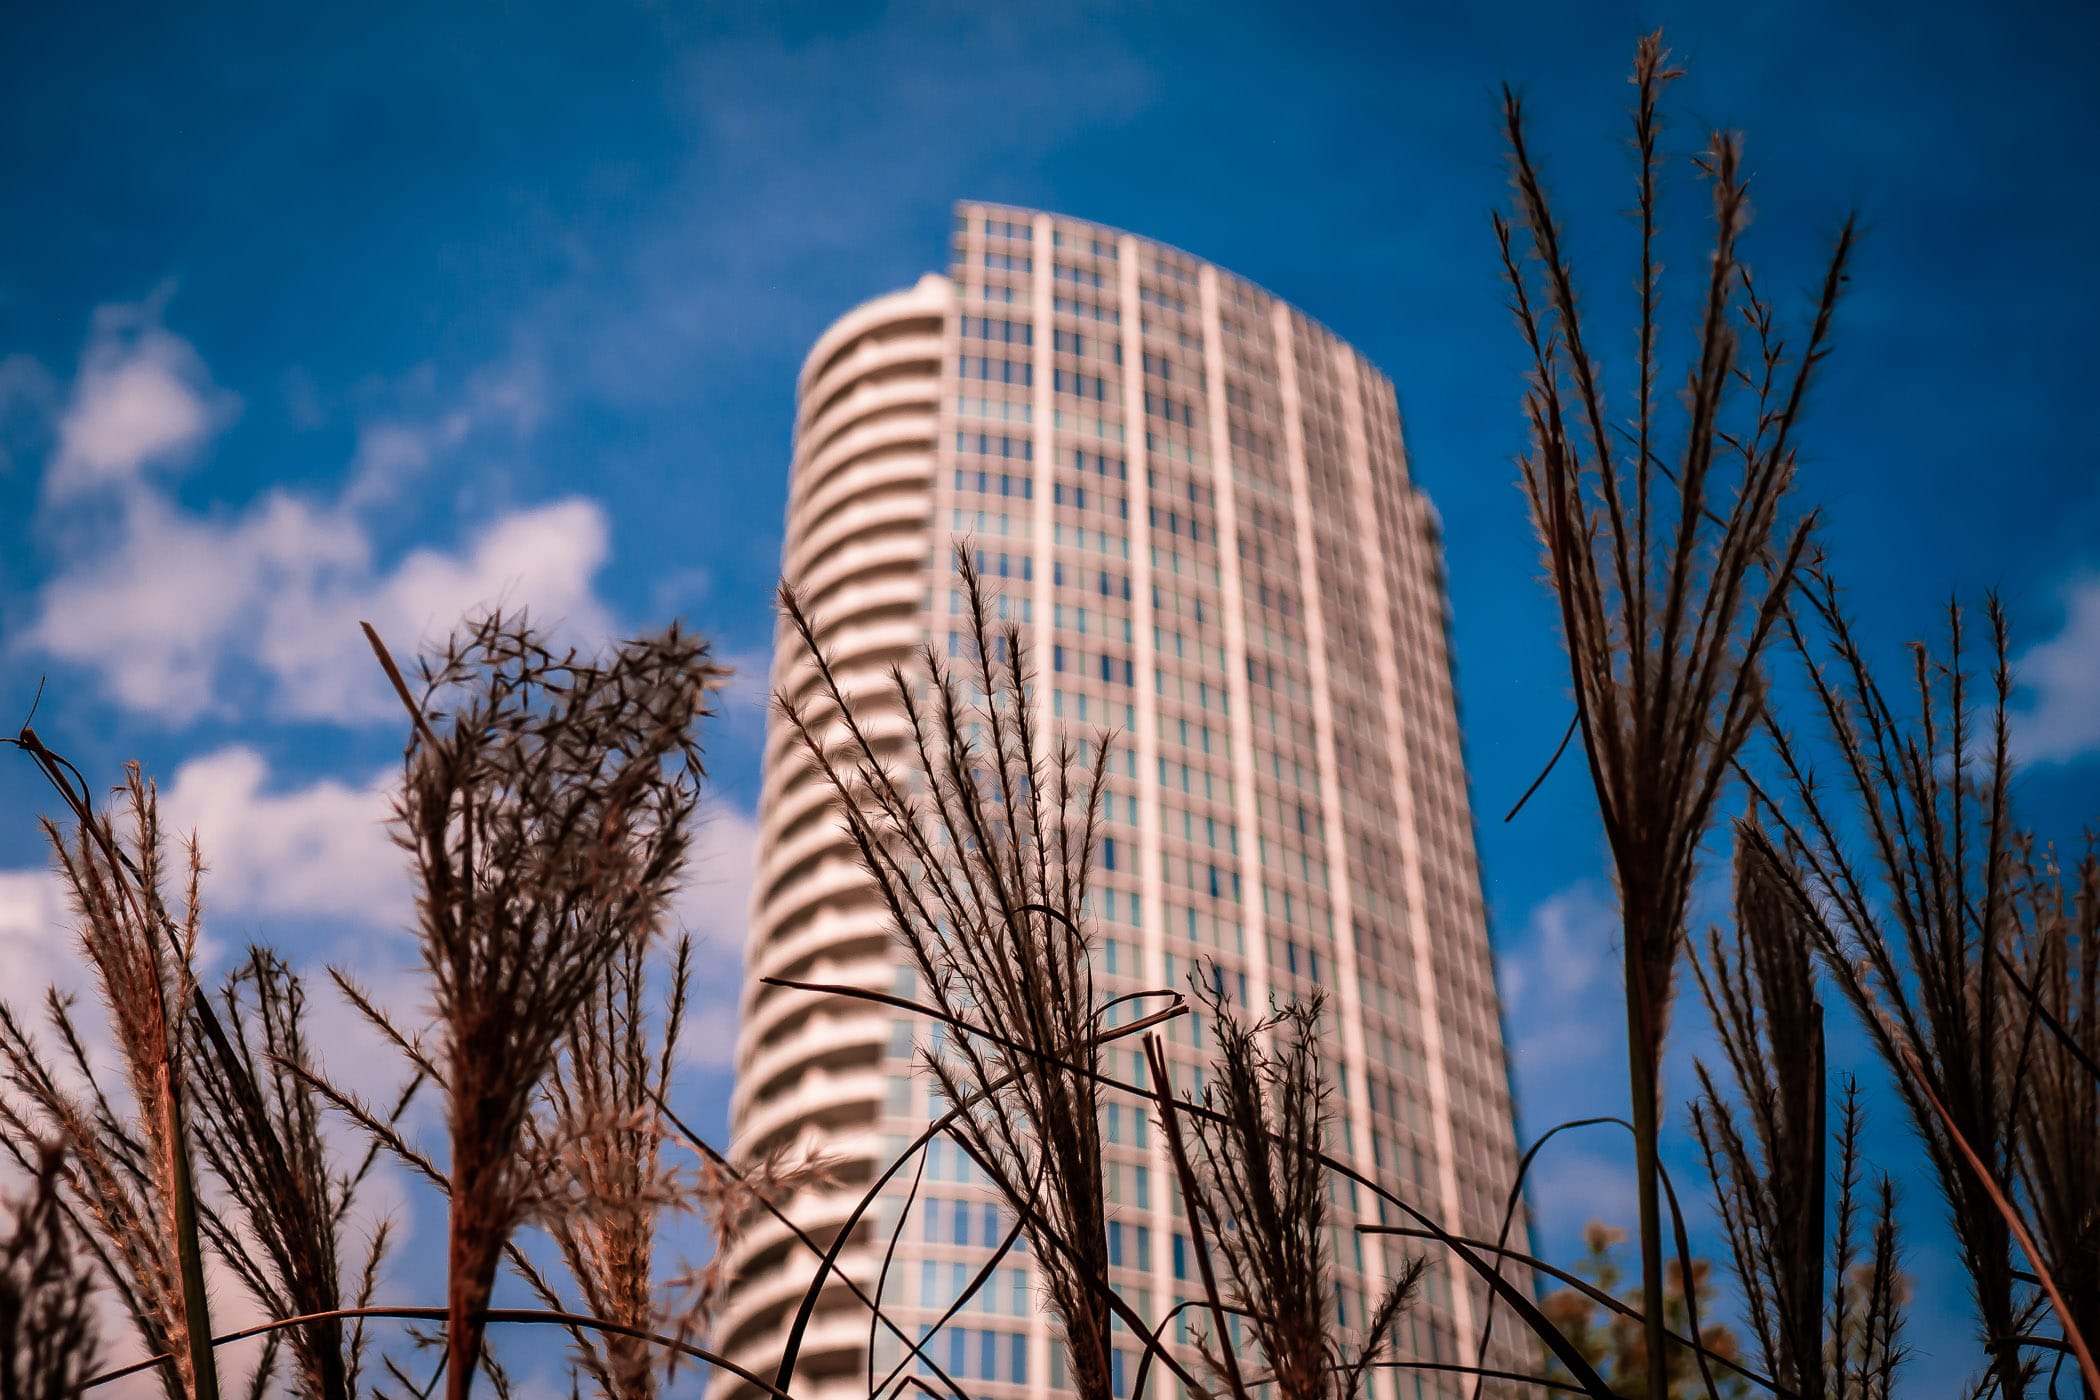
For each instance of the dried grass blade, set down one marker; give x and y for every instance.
(2066, 1319)
(1191, 1192)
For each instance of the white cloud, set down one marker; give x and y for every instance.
(36, 939)
(743, 703)
(183, 614)
(142, 398)
(270, 852)
(715, 905)
(545, 558)
(1567, 1046)
(318, 849)
(748, 692)
(2060, 679)
(27, 394)
(156, 611)
(1564, 995)
(708, 1039)
(177, 610)
(393, 450)
(680, 587)
(1574, 1185)
(1560, 984)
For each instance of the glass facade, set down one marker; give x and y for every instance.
(1196, 499)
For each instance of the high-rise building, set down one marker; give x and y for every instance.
(1195, 500)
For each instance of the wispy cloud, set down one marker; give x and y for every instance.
(1560, 983)
(274, 850)
(2059, 679)
(394, 449)
(142, 398)
(36, 939)
(715, 907)
(27, 393)
(1584, 1182)
(745, 253)
(182, 614)
(715, 904)
(546, 558)
(709, 1038)
(1560, 979)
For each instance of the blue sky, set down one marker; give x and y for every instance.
(312, 317)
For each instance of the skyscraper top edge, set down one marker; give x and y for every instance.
(965, 208)
(929, 296)
(933, 288)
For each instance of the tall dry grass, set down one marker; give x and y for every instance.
(601, 1121)
(979, 835)
(603, 1128)
(1824, 1305)
(2056, 967)
(48, 1336)
(1921, 895)
(288, 1201)
(1263, 1202)
(547, 800)
(1671, 574)
(128, 1170)
(547, 804)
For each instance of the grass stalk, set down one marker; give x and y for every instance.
(204, 1366)
(1912, 891)
(981, 854)
(1646, 1118)
(48, 1337)
(129, 1176)
(1670, 579)
(547, 804)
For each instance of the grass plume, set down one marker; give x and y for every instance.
(2057, 1142)
(981, 852)
(128, 1172)
(1917, 929)
(258, 1127)
(603, 1132)
(48, 1339)
(602, 1118)
(546, 803)
(1263, 1198)
(1819, 1334)
(1670, 578)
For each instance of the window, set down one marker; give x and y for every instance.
(996, 370)
(998, 329)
